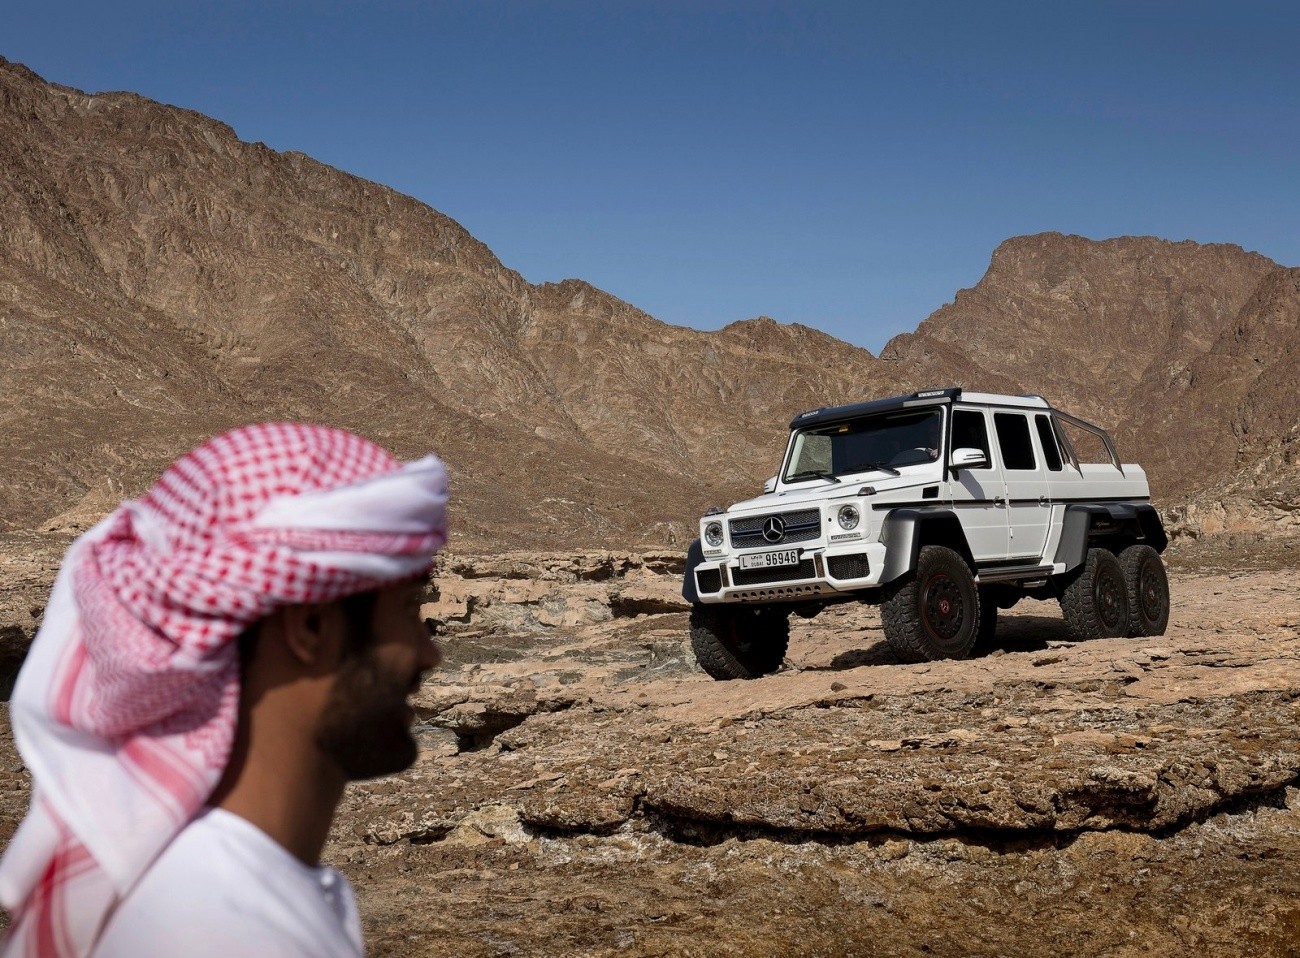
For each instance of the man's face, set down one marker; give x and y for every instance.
(366, 727)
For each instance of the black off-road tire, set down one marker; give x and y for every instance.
(934, 611)
(1095, 601)
(987, 633)
(1148, 590)
(739, 642)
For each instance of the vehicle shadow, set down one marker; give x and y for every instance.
(1026, 633)
(1018, 633)
(878, 653)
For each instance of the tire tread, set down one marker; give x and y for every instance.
(1130, 561)
(1077, 606)
(765, 654)
(900, 614)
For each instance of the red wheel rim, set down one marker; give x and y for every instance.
(942, 606)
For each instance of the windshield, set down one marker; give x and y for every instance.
(886, 443)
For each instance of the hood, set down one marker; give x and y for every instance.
(830, 492)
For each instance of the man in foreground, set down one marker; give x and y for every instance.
(218, 659)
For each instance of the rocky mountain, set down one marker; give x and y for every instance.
(1186, 352)
(160, 280)
(1241, 418)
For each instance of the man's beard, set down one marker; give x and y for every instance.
(366, 728)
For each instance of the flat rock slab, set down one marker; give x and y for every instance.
(585, 790)
(1123, 797)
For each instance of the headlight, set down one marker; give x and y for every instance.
(713, 534)
(848, 517)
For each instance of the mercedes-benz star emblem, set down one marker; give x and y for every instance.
(774, 529)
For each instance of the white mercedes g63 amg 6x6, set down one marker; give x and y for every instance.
(943, 506)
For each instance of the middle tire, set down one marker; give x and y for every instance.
(934, 613)
(1095, 602)
(986, 636)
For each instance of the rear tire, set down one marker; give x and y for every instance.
(739, 642)
(934, 612)
(1095, 602)
(1148, 590)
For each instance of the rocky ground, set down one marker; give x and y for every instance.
(584, 790)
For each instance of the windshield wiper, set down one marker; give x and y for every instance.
(874, 467)
(814, 474)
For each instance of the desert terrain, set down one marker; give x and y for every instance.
(586, 791)
(583, 789)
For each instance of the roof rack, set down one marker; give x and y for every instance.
(925, 397)
(950, 392)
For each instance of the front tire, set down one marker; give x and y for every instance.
(935, 612)
(1148, 590)
(1095, 602)
(742, 642)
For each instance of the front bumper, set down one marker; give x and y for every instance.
(821, 571)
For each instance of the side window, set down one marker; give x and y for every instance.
(1047, 439)
(1013, 440)
(1087, 446)
(970, 432)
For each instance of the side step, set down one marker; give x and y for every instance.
(1006, 573)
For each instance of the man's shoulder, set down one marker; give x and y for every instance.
(222, 887)
(216, 856)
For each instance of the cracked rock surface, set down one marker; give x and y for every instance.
(1123, 797)
(584, 790)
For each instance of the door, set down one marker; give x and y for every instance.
(1029, 504)
(978, 496)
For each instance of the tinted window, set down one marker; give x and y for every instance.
(1047, 439)
(970, 432)
(1013, 440)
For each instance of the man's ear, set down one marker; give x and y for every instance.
(313, 633)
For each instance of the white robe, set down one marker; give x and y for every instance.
(225, 889)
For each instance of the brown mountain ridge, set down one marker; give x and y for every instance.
(161, 280)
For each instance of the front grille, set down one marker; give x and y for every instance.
(800, 526)
(804, 570)
(848, 567)
(708, 580)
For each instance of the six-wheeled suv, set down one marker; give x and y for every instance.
(943, 506)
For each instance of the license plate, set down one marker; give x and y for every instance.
(765, 560)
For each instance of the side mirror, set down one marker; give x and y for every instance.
(770, 485)
(969, 459)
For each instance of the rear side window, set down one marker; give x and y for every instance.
(970, 432)
(1047, 439)
(1013, 440)
(1087, 446)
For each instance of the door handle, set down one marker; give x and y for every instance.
(1043, 501)
(1000, 502)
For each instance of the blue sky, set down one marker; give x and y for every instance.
(848, 166)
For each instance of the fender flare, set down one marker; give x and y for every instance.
(1077, 524)
(1153, 530)
(694, 556)
(904, 531)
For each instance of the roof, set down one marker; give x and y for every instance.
(925, 397)
(996, 399)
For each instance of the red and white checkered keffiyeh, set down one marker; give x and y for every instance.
(125, 708)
